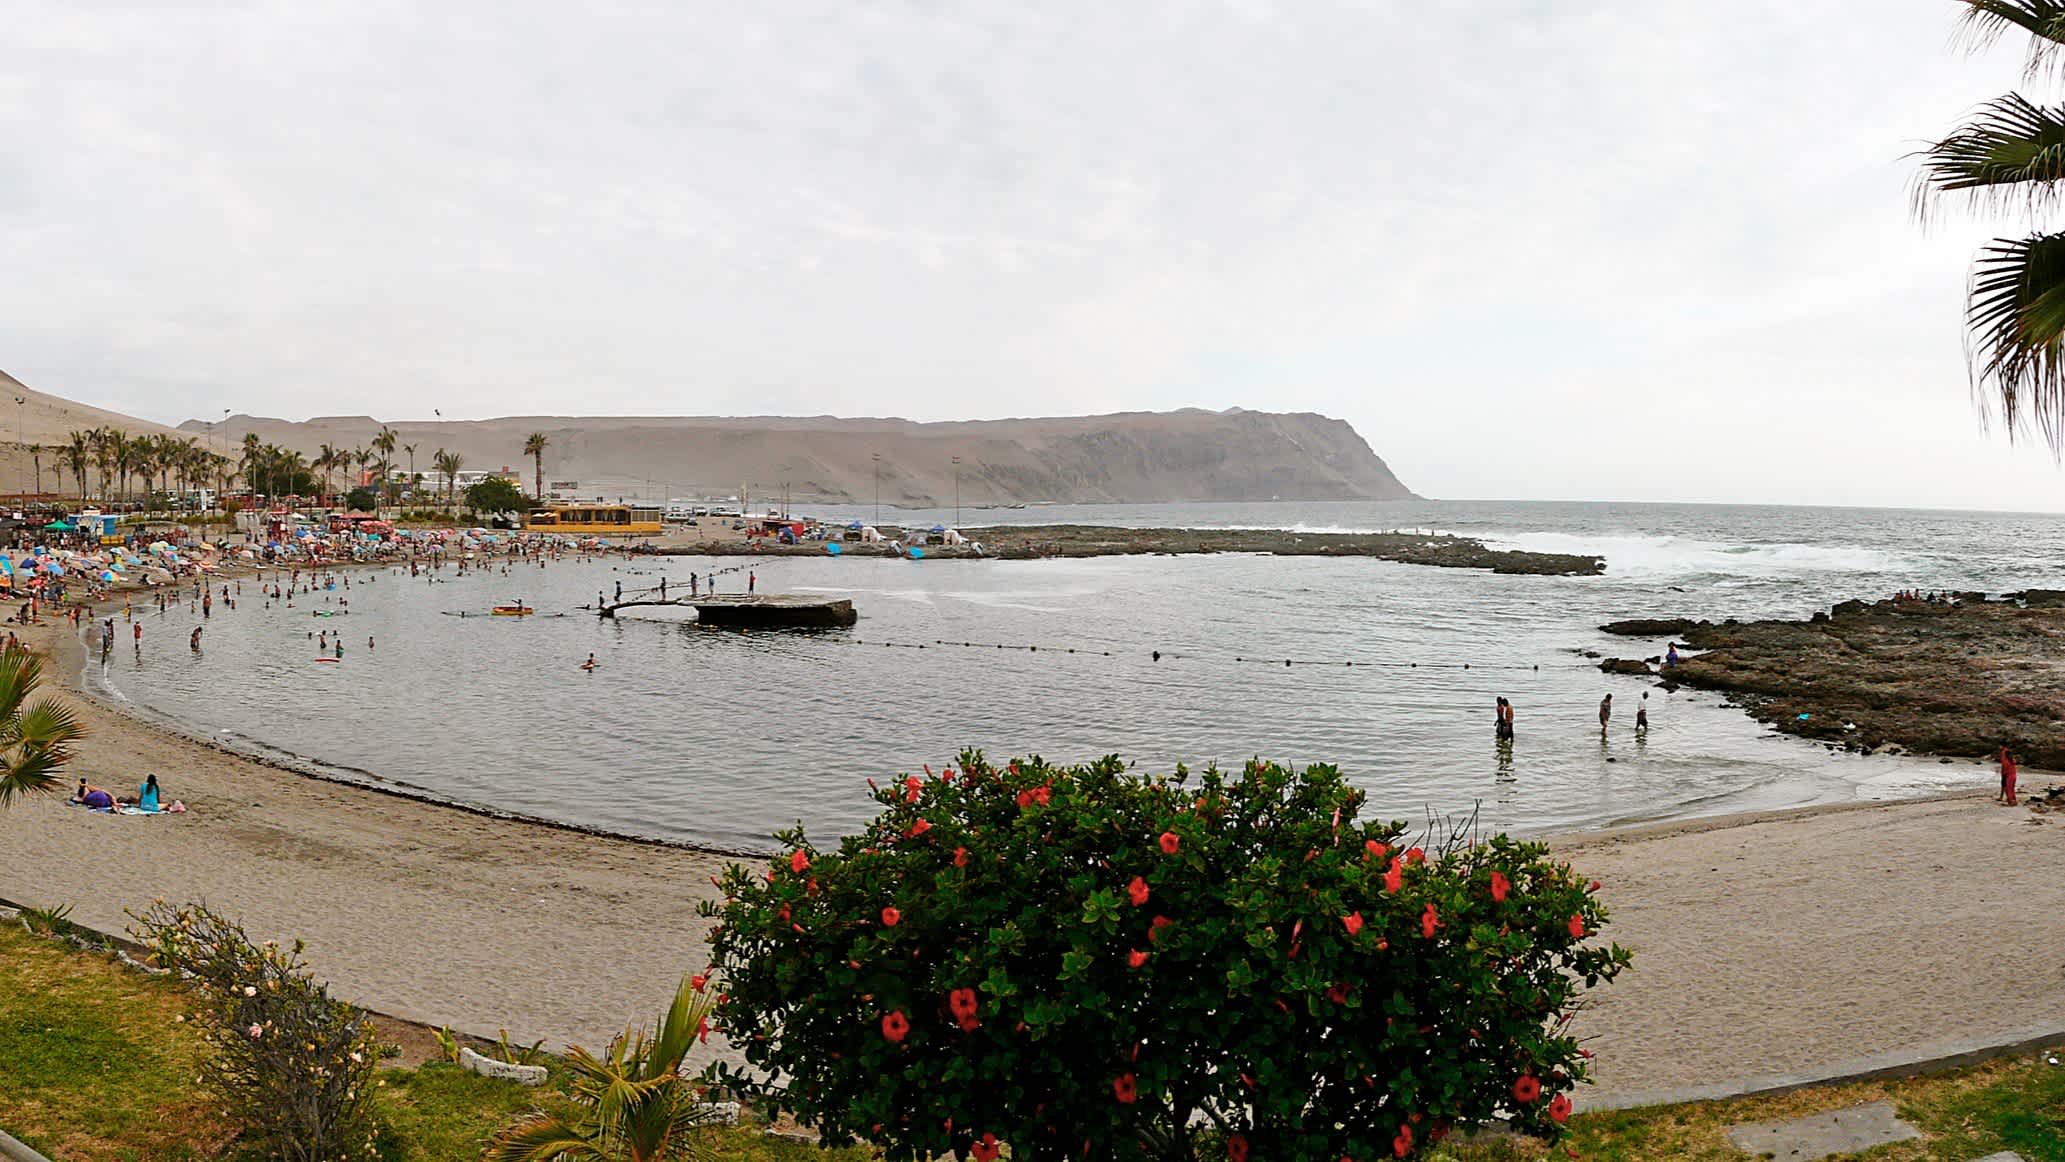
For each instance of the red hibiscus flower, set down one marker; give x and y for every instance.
(1043, 795)
(1376, 850)
(1137, 891)
(965, 1007)
(1155, 926)
(895, 1025)
(1025, 799)
(960, 857)
(1237, 1148)
(890, 916)
(920, 828)
(1123, 1088)
(1415, 855)
(1403, 1143)
(1170, 842)
(910, 789)
(1528, 1088)
(1394, 876)
(798, 862)
(1559, 1108)
(985, 1150)
(1500, 885)
(1338, 995)
(1353, 922)
(1429, 922)
(703, 1030)
(697, 981)
(1136, 958)
(1577, 927)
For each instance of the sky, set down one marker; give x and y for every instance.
(1567, 249)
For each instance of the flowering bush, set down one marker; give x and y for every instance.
(1087, 963)
(295, 1064)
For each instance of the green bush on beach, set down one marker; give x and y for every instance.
(1080, 961)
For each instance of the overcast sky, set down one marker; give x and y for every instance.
(1624, 249)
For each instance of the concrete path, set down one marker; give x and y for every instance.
(1820, 1135)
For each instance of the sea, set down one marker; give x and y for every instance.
(720, 738)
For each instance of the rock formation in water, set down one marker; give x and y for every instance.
(1188, 455)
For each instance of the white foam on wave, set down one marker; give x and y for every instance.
(1664, 558)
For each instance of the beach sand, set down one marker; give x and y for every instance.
(1801, 943)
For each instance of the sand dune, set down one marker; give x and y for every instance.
(1127, 457)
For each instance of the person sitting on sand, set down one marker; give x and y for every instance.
(2007, 778)
(96, 798)
(147, 794)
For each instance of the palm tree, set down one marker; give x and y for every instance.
(534, 447)
(325, 460)
(35, 741)
(248, 463)
(448, 463)
(75, 454)
(36, 457)
(2012, 150)
(631, 1104)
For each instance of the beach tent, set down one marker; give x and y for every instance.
(870, 533)
(954, 537)
(854, 525)
(59, 525)
(938, 528)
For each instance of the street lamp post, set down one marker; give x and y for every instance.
(21, 407)
(878, 488)
(957, 494)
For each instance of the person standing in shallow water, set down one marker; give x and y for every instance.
(1605, 712)
(1502, 729)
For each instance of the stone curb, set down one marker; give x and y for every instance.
(508, 1071)
(1934, 1058)
(12, 1149)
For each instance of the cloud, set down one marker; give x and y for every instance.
(1587, 249)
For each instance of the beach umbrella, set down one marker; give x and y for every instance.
(107, 574)
(6, 567)
(52, 567)
(58, 525)
(938, 528)
(854, 525)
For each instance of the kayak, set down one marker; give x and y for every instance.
(513, 611)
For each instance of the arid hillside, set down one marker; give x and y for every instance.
(1134, 456)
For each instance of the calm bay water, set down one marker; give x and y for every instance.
(720, 738)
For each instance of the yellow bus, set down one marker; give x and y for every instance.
(589, 520)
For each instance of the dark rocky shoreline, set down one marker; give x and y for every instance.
(1022, 542)
(1955, 678)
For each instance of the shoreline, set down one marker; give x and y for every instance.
(444, 914)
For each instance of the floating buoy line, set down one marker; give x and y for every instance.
(1173, 656)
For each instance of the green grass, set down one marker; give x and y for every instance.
(95, 1067)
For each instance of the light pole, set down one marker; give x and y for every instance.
(878, 488)
(225, 451)
(957, 494)
(21, 407)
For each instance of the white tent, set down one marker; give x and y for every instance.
(954, 537)
(870, 533)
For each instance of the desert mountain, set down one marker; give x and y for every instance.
(1127, 457)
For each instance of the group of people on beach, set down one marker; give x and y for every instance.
(148, 798)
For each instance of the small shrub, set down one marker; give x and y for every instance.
(1087, 963)
(518, 1054)
(294, 1063)
(51, 921)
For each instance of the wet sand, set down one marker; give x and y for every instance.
(1796, 943)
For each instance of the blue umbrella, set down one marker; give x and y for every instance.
(854, 525)
(938, 528)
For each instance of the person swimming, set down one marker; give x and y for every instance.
(591, 663)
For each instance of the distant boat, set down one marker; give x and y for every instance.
(513, 611)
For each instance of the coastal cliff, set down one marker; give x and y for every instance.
(1128, 457)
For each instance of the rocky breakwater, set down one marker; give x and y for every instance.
(1021, 541)
(1960, 678)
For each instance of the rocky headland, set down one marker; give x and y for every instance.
(1022, 542)
(1960, 677)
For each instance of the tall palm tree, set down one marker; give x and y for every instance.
(631, 1103)
(2011, 151)
(106, 442)
(76, 452)
(410, 449)
(324, 463)
(248, 463)
(534, 447)
(35, 741)
(36, 456)
(448, 463)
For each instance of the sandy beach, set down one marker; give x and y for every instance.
(1798, 944)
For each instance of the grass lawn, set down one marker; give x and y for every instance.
(94, 1067)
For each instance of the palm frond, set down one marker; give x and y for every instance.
(542, 1138)
(676, 1033)
(2013, 150)
(2044, 20)
(2015, 334)
(20, 673)
(49, 725)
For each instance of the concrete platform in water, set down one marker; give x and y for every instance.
(757, 611)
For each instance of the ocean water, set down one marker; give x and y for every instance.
(720, 738)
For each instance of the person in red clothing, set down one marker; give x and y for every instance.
(2007, 777)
